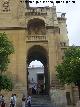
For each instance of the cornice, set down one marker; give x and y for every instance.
(12, 28)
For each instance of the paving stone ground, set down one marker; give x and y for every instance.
(44, 101)
(41, 101)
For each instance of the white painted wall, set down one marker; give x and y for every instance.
(33, 71)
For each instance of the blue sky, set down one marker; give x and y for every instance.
(72, 11)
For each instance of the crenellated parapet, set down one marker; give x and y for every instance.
(17, 12)
(40, 11)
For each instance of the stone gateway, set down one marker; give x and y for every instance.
(37, 34)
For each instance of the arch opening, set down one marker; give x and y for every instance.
(36, 26)
(38, 77)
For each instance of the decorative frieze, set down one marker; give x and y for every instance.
(6, 6)
(36, 11)
(37, 38)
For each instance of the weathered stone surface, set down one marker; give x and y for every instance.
(78, 104)
(33, 30)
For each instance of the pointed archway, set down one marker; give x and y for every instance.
(38, 52)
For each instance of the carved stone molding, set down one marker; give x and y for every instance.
(6, 6)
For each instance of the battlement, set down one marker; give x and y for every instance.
(61, 17)
(37, 11)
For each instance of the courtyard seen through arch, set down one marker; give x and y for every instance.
(37, 77)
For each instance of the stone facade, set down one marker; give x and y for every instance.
(36, 33)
